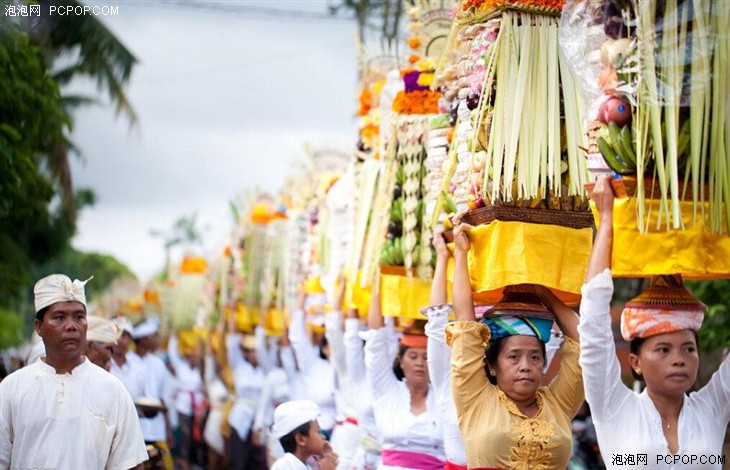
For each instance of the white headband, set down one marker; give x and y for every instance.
(58, 288)
(146, 328)
(292, 414)
(102, 330)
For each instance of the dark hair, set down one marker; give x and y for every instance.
(397, 369)
(635, 348)
(322, 344)
(41, 313)
(492, 353)
(289, 442)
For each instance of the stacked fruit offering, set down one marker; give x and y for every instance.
(519, 134)
(663, 73)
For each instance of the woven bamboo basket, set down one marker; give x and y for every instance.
(488, 214)
(627, 187)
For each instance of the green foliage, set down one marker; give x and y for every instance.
(715, 331)
(382, 16)
(37, 200)
(31, 116)
(11, 327)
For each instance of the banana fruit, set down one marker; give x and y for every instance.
(393, 253)
(617, 147)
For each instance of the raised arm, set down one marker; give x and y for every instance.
(333, 332)
(378, 363)
(173, 351)
(304, 351)
(439, 355)
(233, 343)
(466, 337)
(568, 383)
(565, 316)
(334, 335)
(266, 359)
(604, 390)
(463, 303)
(438, 294)
(354, 355)
(264, 405)
(375, 314)
(600, 258)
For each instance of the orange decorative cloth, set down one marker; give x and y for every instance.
(665, 306)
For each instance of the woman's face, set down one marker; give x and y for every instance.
(250, 356)
(519, 367)
(414, 365)
(668, 362)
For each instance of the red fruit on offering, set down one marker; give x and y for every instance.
(615, 110)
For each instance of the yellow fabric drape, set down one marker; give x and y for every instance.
(507, 253)
(275, 322)
(404, 298)
(694, 252)
(188, 339)
(246, 318)
(357, 296)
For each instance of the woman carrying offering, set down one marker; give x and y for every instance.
(405, 406)
(439, 356)
(508, 418)
(663, 427)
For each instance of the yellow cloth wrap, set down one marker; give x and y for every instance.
(246, 318)
(188, 339)
(275, 322)
(403, 298)
(693, 252)
(507, 253)
(357, 296)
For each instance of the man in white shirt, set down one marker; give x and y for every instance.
(157, 382)
(125, 363)
(101, 336)
(62, 411)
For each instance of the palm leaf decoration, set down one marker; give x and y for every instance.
(87, 48)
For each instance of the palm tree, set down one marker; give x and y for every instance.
(92, 51)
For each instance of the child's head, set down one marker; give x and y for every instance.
(296, 427)
(306, 438)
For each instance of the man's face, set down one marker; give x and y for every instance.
(151, 342)
(63, 329)
(122, 344)
(100, 354)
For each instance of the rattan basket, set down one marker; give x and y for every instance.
(488, 214)
(627, 186)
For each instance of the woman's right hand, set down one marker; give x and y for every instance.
(461, 237)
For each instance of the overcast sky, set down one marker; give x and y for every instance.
(225, 100)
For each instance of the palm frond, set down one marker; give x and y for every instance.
(101, 55)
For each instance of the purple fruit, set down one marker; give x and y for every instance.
(472, 101)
